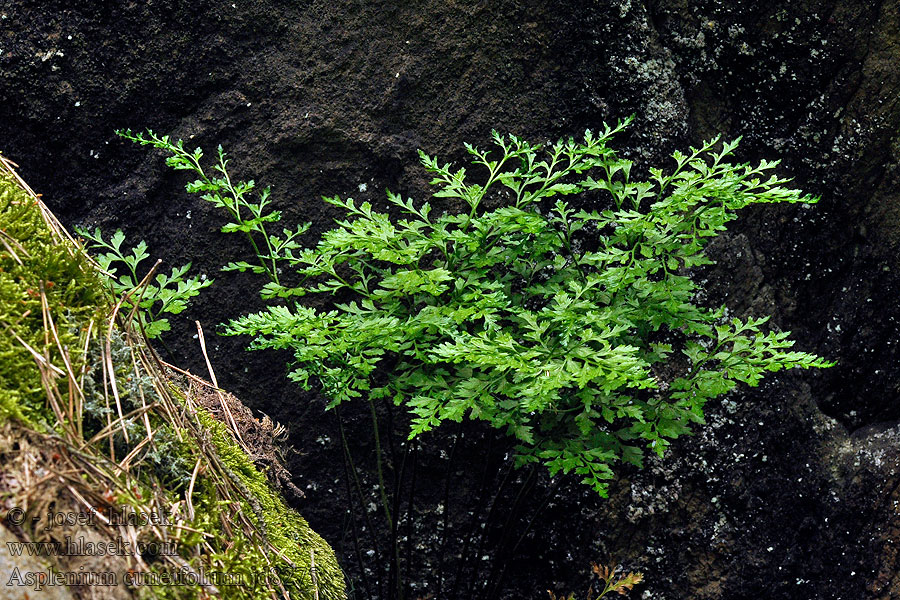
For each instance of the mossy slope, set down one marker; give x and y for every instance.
(36, 274)
(153, 448)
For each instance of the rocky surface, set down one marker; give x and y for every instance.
(24, 576)
(792, 489)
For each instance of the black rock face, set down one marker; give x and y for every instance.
(790, 491)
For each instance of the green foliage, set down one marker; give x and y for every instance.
(247, 216)
(164, 294)
(572, 326)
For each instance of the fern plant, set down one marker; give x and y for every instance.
(571, 325)
(162, 295)
(247, 216)
(612, 579)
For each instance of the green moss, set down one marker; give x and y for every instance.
(34, 267)
(285, 529)
(31, 262)
(214, 551)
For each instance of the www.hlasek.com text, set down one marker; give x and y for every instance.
(79, 546)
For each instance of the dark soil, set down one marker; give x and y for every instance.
(789, 492)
